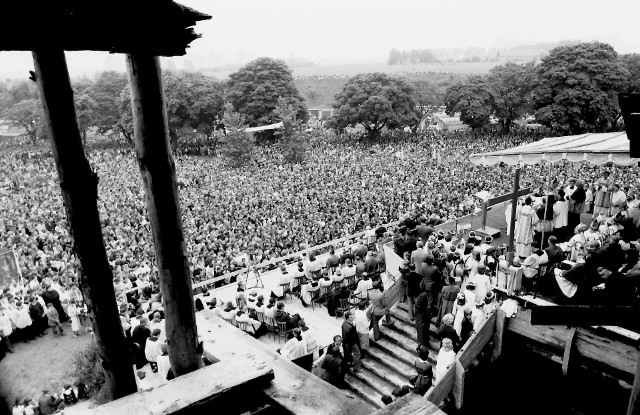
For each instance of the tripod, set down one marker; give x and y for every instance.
(259, 283)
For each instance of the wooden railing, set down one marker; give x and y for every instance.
(453, 378)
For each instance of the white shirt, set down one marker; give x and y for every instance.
(445, 359)
(361, 322)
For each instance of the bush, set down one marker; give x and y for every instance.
(87, 368)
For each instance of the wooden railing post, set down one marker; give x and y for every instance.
(163, 206)
(79, 185)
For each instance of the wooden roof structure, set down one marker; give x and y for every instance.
(157, 27)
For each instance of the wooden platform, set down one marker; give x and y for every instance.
(189, 392)
(293, 388)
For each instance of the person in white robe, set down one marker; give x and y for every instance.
(523, 235)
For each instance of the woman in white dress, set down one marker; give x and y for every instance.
(74, 315)
(523, 235)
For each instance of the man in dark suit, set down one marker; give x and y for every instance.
(280, 315)
(350, 342)
(47, 403)
(432, 279)
(413, 280)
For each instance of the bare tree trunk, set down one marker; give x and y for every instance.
(79, 185)
(163, 205)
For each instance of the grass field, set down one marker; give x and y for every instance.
(320, 92)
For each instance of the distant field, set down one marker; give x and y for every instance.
(354, 69)
(319, 92)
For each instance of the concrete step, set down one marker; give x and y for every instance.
(400, 313)
(366, 393)
(380, 369)
(401, 326)
(375, 380)
(388, 346)
(399, 338)
(402, 369)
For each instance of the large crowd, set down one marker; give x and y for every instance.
(345, 185)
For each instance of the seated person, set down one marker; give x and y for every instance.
(554, 252)
(284, 278)
(241, 298)
(337, 276)
(252, 325)
(229, 312)
(348, 270)
(364, 285)
(325, 281)
(282, 316)
(270, 309)
(306, 292)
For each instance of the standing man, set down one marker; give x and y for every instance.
(413, 280)
(362, 327)
(350, 342)
(380, 307)
(423, 318)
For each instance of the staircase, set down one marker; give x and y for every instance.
(390, 364)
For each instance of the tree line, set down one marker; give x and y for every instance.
(397, 57)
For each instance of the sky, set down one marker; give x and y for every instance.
(361, 31)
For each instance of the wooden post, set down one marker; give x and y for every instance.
(514, 205)
(634, 400)
(79, 185)
(163, 205)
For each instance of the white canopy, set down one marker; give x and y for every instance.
(595, 148)
(264, 127)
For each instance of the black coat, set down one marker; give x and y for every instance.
(349, 334)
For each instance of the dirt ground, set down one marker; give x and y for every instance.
(43, 363)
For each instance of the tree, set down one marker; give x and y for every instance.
(631, 62)
(292, 140)
(395, 57)
(512, 85)
(28, 115)
(106, 92)
(255, 88)
(577, 87)
(194, 102)
(428, 98)
(375, 101)
(237, 145)
(473, 98)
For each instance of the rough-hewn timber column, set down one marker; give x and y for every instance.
(163, 205)
(79, 185)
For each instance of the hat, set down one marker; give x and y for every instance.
(440, 232)
(489, 297)
(488, 239)
(479, 301)
(472, 234)
(471, 285)
(594, 225)
(451, 232)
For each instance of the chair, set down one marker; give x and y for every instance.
(345, 305)
(242, 325)
(231, 321)
(325, 291)
(270, 323)
(297, 281)
(282, 330)
(335, 286)
(286, 289)
(260, 316)
(350, 281)
(315, 296)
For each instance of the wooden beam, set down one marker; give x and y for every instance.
(585, 315)
(634, 400)
(504, 198)
(568, 346)
(410, 404)
(163, 206)
(79, 186)
(191, 391)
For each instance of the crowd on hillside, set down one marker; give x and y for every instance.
(344, 186)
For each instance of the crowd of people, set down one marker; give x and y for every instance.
(268, 209)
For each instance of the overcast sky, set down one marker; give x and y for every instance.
(366, 30)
